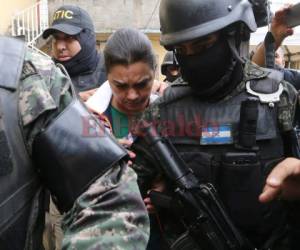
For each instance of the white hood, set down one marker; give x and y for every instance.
(100, 100)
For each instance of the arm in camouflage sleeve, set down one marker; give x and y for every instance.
(108, 215)
(287, 107)
(111, 213)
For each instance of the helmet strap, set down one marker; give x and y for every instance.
(235, 48)
(175, 61)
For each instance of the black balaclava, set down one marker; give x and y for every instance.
(170, 77)
(87, 58)
(210, 73)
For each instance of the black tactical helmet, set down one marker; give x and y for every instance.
(168, 60)
(185, 20)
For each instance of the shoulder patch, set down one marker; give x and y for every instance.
(28, 70)
(253, 71)
(42, 64)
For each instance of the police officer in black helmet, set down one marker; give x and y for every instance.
(170, 68)
(207, 41)
(230, 120)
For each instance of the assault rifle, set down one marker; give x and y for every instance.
(207, 225)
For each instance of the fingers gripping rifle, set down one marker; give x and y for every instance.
(206, 223)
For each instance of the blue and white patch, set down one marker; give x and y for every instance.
(216, 135)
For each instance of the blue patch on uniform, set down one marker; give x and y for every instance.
(214, 135)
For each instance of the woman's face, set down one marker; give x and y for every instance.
(131, 87)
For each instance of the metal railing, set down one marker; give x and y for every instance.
(30, 45)
(31, 22)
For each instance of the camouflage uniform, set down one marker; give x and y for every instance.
(111, 213)
(160, 113)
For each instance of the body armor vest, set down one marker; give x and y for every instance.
(206, 135)
(19, 182)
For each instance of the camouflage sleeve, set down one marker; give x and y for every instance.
(287, 107)
(109, 215)
(44, 92)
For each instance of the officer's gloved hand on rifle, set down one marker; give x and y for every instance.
(158, 185)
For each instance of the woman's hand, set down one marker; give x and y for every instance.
(127, 144)
(85, 95)
(159, 186)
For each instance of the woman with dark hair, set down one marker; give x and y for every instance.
(130, 64)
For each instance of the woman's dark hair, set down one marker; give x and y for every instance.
(127, 46)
